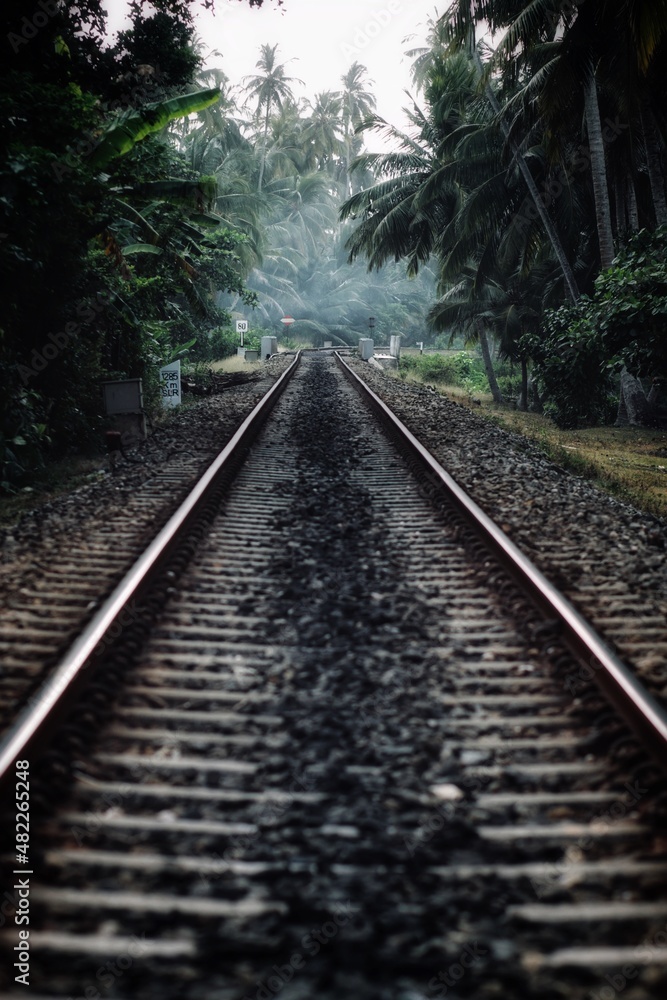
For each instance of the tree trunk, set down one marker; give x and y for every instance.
(620, 206)
(264, 145)
(553, 236)
(523, 398)
(633, 406)
(488, 364)
(654, 163)
(346, 141)
(633, 214)
(599, 173)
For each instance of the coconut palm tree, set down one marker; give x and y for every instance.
(358, 104)
(323, 133)
(412, 202)
(270, 88)
(573, 59)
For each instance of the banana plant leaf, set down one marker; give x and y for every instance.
(149, 233)
(141, 248)
(182, 349)
(208, 220)
(121, 137)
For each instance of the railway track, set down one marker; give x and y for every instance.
(49, 589)
(336, 756)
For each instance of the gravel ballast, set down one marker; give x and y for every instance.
(64, 556)
(608, 557)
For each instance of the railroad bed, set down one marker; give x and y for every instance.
(607, 557)
(344, 763)
(59, 563)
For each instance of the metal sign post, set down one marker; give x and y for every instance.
(241, 329)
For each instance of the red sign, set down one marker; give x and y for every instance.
(287, 320)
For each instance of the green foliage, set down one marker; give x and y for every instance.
(23, 431)
(460, 370)
(624, 323)
(121, 136)
(107, 275)
(215, 344)
(629, 306)
(162, 39)
(571, 367)
(508, 376)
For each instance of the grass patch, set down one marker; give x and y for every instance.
(629, 463)
(234, 364)
(452, 368)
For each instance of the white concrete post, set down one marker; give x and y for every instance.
(269, 347)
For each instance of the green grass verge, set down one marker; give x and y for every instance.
(628, 463)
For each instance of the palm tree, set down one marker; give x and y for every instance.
(424, 57)
(460, 310)
(322, 133)
(578, 58)
(409, 208)
(358, 104)
(449, 192)
(270, 88)
(459, 25)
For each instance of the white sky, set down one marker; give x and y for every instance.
(322, 37)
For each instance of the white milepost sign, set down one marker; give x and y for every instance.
(170, 383)
(241, 329)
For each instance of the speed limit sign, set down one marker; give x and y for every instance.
(242, 326)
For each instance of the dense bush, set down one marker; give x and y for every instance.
(23, 432)
(629, 307)
(462, 370)
(572, 370)
(222, 342)
(582, 348)
(106, 274)
(508, 375)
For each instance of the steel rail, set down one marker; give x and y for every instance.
(641, 711)
(36, 723)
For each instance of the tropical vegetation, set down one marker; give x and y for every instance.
(532, 175)
(145, 204)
